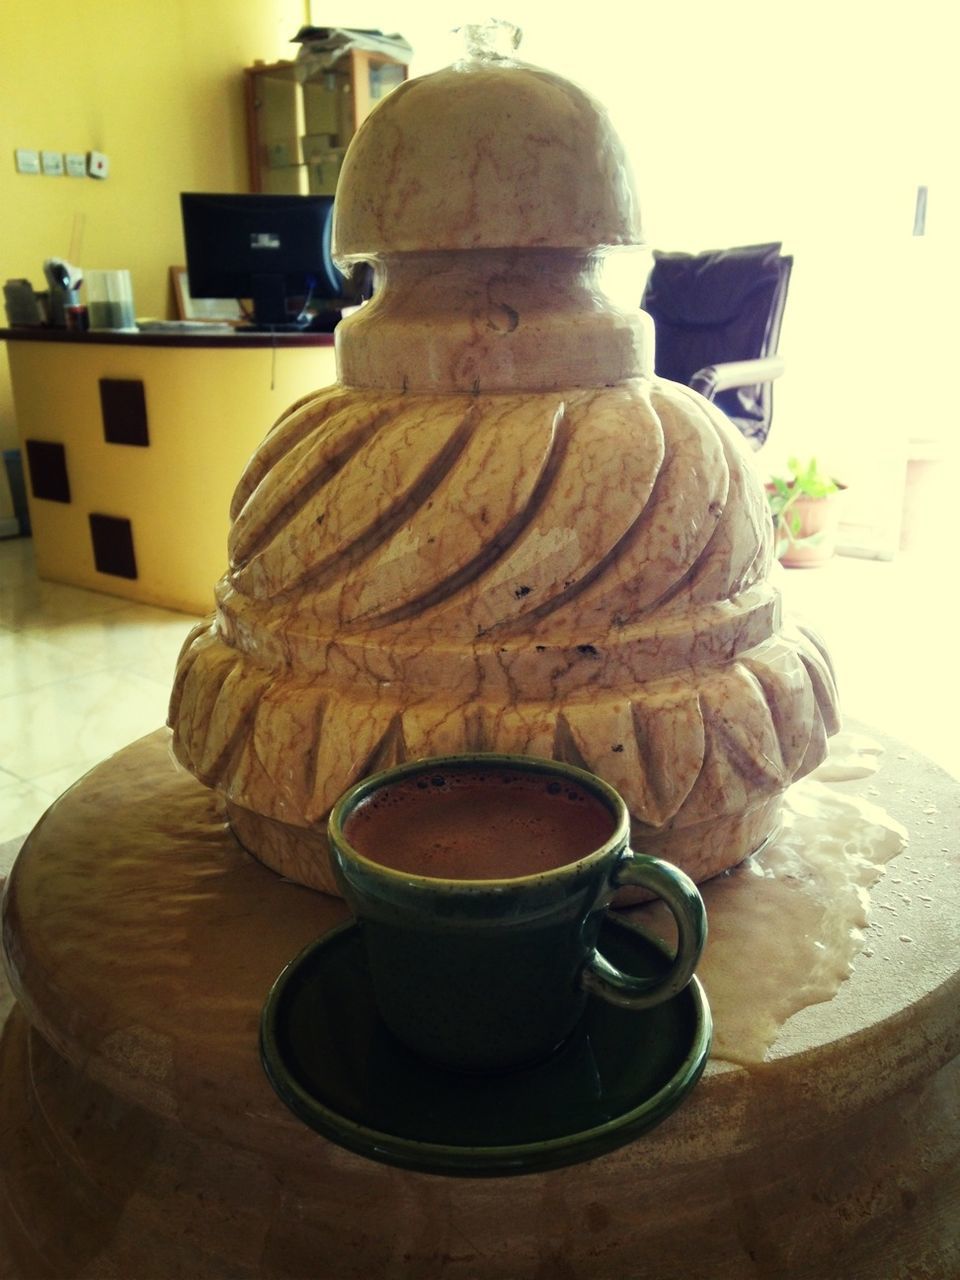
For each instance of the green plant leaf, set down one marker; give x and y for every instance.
(806, 480)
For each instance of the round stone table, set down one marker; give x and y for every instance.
(140, 1138)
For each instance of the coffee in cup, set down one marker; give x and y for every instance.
(483, 823)
(480, 884)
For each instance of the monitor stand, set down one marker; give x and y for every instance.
(270, 313)
(325, 322)
(269, 298)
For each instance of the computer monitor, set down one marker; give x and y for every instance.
(274, 250)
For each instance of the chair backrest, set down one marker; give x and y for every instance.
(711, 308)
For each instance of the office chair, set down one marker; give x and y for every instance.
(717, 318)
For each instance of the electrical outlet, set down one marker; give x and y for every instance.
(76, 164)
(27, 161)
(98, 166)
(52, 163)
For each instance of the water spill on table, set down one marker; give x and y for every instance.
(787, 925)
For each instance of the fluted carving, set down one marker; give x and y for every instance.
(576, 574)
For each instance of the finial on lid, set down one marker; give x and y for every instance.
(492, 41)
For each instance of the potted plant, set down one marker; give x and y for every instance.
(805, 514)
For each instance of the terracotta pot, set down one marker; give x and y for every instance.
(807, 536)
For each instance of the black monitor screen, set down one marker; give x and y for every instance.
(274, 250)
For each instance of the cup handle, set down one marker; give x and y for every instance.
(680, 894)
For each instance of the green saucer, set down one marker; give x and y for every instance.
(341, 1071)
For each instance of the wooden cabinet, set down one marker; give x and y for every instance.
(300, 121)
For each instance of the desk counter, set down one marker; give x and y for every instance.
(133, 444)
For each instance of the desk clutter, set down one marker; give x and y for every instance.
(108, 305)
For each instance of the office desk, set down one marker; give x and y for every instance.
(134, 443)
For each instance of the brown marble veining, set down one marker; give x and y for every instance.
(498, 531)
(484, 154)
(578, 575)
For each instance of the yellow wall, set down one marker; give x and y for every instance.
(156, 85)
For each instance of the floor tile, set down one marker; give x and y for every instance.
(8, 853)
(86, 718)
(21, 806)
(35, 603)
(17, 561)
(29, 661)
(889, 628)
(133, 636)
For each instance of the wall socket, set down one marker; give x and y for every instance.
(78, 163)
(98, 166)
(28, 161)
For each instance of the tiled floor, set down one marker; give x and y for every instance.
(891, 628)
(82, 674)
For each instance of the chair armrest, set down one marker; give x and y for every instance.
(736, 373)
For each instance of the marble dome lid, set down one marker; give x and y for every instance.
(487, 153)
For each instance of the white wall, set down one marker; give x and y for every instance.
(811, 123)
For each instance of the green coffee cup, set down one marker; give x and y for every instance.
(480, 883)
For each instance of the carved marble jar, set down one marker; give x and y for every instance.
(498, 530)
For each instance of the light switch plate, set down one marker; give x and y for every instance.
(76, 164)
(28, 161)
(98, 166)
(52, 163)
